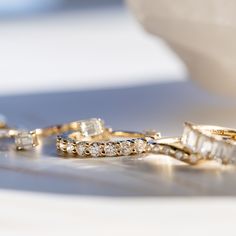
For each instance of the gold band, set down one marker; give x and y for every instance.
(210, 142)
(85, 128)
(114, 143)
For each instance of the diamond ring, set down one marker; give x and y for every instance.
(210, 142)
(174, 148)
(115, 143)
(85, 128)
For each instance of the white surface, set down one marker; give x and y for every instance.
(93, 50)
(89, 216)
(81, 49)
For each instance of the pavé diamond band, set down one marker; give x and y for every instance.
(85, 128)
(210, 142)
(174, 148)
(116, 143)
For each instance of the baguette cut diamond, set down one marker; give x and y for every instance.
(191, 141)
(204, 145)
(26, 140)
(217, 150)
(91, 127)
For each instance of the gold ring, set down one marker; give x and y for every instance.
(113, 144)
(210, 142)
(85, 128)
(174, 148)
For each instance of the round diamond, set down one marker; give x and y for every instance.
(125, 148)
(110, 149)
(94, 149)
(140, 145)
(81, 148)
(62, 145)
(179, 155)
(70, 148)
(193, 159)
(166, 150)
(157, 148)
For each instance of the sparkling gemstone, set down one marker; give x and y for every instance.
(193, 159)
(204, 146)
(125, 148)
(62, 146)
(191, 141)
(70, 148)
(179, 155)
(95, 149)
(166, 150)
(217, 150)
(91, 127)
(140, 145)
(185, 135)
(25, 140)
(110, 149)
(157, 148)
(81, 148)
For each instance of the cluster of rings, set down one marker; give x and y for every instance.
(91, 138)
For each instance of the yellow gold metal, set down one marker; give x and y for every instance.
(111, 143)
(85, 129)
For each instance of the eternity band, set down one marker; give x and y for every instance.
(174, 148)
(116, 143)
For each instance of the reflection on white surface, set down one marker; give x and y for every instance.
(81, 49)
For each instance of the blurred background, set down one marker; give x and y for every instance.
(54, 45)
(64, 60)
